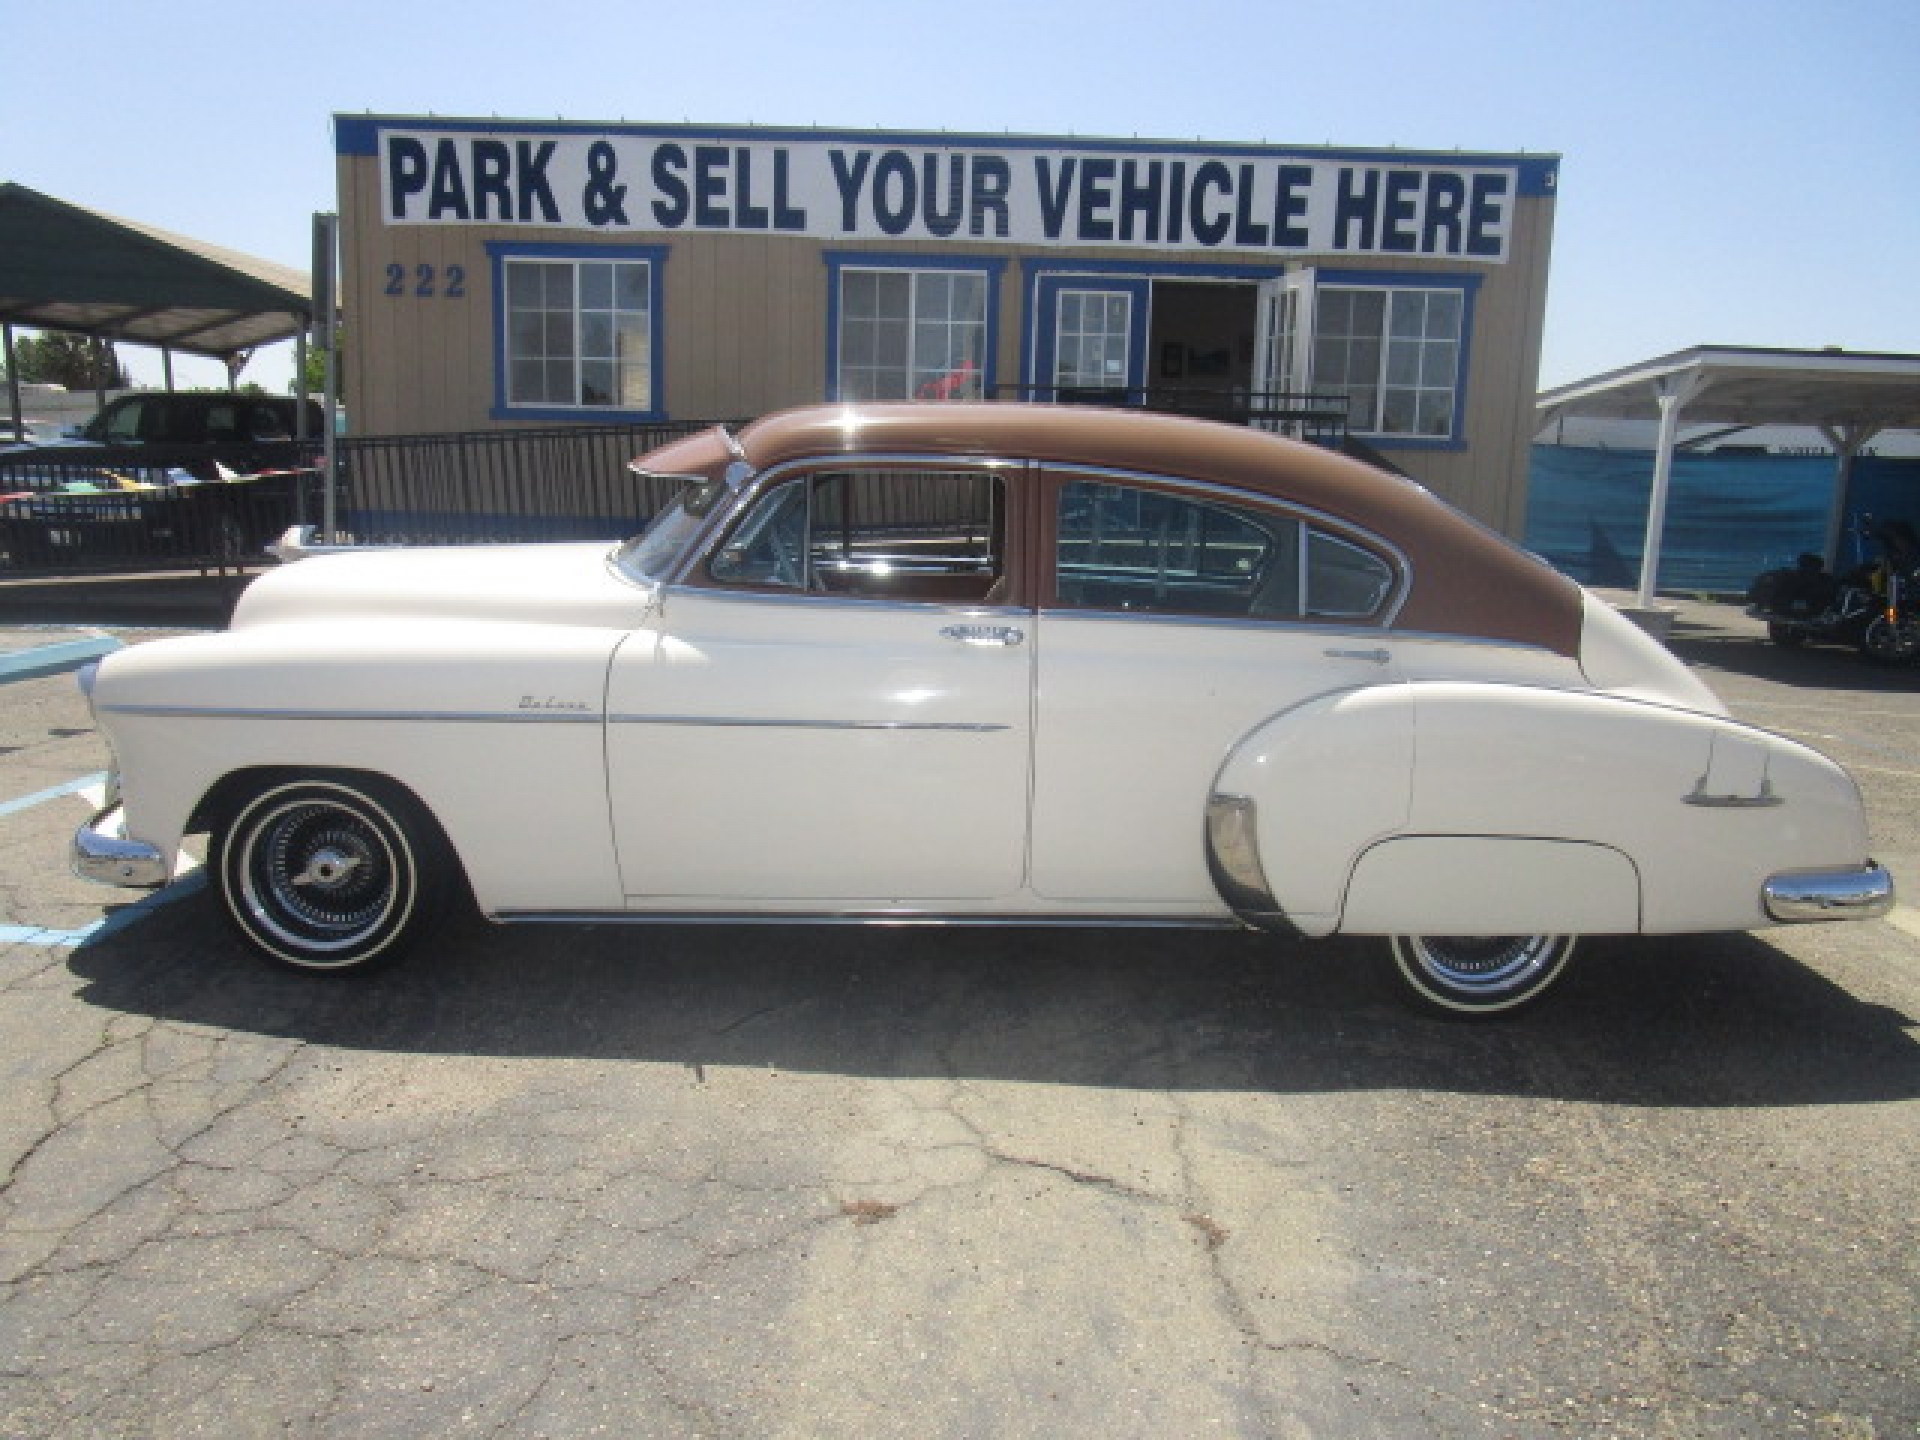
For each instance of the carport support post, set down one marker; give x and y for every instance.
(326, 243)
(1847, 441)
(300, 413)
(1672, 392)
(13, 379)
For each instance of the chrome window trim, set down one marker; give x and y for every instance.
(732, 595)
(1333, 629)
(756, 483)
(1216, 622)
(1332, 524)
(453, 717)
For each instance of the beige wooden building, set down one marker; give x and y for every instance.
(504, 273)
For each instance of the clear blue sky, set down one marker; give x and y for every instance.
(1736, 171)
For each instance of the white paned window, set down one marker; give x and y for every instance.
(1396, 354)
(1091, 338)
(912, 334)
(580, 334)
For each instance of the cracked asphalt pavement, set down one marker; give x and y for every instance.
(794, 1182)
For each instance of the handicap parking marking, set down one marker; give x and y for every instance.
(39, 661)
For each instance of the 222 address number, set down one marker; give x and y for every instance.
(426, 282)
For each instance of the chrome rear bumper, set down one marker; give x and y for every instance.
(1861, 892)
(103, 854)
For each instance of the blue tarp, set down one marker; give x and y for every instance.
(1728, 516)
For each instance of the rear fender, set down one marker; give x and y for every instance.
(1465, 808)
(1303, 796)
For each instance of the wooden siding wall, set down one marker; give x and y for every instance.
(745, 331)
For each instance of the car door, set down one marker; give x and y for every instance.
(1175, 618)
(832, 711)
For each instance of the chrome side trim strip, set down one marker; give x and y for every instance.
(1856, 892)
(450, 717)
(904, 919)
(785, 723)
(541, 717)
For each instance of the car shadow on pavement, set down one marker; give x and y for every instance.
(1823, 667)
(1693, 1021)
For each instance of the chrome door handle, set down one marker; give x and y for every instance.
(985, 634)
(1377, 657)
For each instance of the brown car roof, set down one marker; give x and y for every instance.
(1467, 580)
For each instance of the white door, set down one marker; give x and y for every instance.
(1174, 625)
(1283, 346)
(837, 715)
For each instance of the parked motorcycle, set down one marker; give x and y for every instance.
(1874, 607)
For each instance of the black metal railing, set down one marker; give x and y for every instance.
(96, 509)
(1319, 418)
(91, 508)
(564, 483)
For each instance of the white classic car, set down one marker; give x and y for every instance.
(974, 663)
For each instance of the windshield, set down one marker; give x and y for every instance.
(656, 552)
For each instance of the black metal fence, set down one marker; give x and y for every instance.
(1320, 419)
(566, 483)
(80, 509)
(96, 509)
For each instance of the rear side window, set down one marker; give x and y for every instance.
(1125, 547)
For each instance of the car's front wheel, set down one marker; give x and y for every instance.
(1472, 976)
(333, 874)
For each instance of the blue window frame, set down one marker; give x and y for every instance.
(1398, 346)
(1090, 333)
(577, 332)
(907, 327)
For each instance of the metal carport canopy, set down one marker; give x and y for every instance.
(1851, 397)
(64, 267)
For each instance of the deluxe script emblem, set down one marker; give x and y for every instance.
(535, 702)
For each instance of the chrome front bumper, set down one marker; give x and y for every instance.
(1861, 892)
(103, 853)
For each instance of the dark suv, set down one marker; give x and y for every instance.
(201, 476)
(243, 432)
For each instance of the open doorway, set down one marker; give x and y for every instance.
(1201, 342)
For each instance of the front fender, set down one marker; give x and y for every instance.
(497, 728)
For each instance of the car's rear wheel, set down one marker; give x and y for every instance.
(334, 874)
(1789, 636)
(1472, 976)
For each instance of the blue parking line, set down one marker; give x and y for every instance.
(56, 939)
(40, 661)
(40, 797)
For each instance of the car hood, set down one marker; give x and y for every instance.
(552, 584)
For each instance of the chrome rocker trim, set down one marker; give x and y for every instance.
(1857, 892)
(103, 854)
